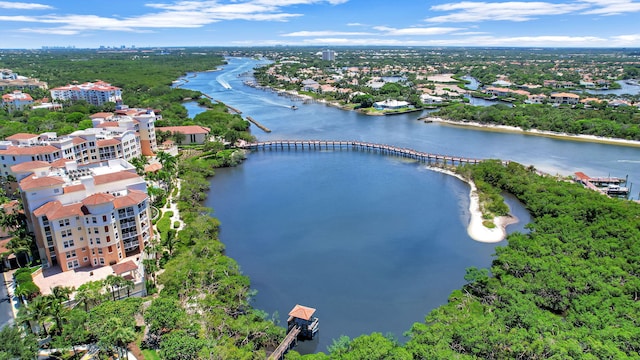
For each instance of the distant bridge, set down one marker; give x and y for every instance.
(360, 145)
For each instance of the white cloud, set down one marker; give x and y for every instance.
(325, 33)
(611, 7)
(355, 24)
(54, 31)
(417, 31)
(23, 6)
(177, 14)
(468, 11)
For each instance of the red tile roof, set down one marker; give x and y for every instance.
(124, 267)
(54, 210)
(73, 188)
(134, 197)
(302, 312)
(78, 140)
(101, 115)
(187, 130)
(108, 178)
(152, 167)
(31, 150)
(60, 163)
(29, 166)
(21, 136)
(30, 182)
(108, 142)
(108, 124)
(98, 199)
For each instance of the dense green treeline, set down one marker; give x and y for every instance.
(203, 309)
(145, 79)
(568, 289)
(622, 122)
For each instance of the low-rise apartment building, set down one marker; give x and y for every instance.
(84, 146)
(96, 93)
(16, 101)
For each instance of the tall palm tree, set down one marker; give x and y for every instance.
(21, 243)
(36, 311)
(90, 294)
(58, 312)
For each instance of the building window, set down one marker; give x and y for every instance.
(99, 251)
(94, 220)
(96, 231)
(110, 249)
(72, 264)
(68, 243)
(101, 261)
(64, 222)
(106, 228)
(108, 238)
(71, 254)
(65, 233)
(104, 217)
(95, 261)
(97, 240)
(85, 259)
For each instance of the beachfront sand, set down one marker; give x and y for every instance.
(476, 229)
(589, 138)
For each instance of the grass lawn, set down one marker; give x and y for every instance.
(150, 355)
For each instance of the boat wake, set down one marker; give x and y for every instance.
(629, 161)
(223, 82)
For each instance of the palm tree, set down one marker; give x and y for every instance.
(167, 160)
(90, 294)
(139, 163)
(36, 311)
(58, 312)
(62, 293)
(115, 282)
(20, 243)
(150, 268)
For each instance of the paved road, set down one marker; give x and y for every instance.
(6, 316)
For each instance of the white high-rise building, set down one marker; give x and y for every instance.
(328, 55)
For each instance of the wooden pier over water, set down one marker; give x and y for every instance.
(287, 344)
(301, 324)
(359, 145)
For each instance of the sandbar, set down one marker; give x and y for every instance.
(476, 229)
(552, 134)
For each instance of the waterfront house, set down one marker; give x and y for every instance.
(194, 134)
(564, 98)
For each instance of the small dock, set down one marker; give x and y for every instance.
(300, 325)
(256, 123)
(605, 185)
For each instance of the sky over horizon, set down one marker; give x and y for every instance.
(564, 23)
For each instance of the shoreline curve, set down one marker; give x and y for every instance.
(534, 132)
(476, 229)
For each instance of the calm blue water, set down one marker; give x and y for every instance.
(625, 89)
(373, 242)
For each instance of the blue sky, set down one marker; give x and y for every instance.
(545, 23)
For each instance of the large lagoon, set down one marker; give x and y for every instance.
(373, 242)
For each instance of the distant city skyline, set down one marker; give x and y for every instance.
(91, 24)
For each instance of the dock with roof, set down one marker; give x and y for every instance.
(300, 325)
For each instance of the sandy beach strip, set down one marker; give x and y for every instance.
(476, 229)
(564, 136)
